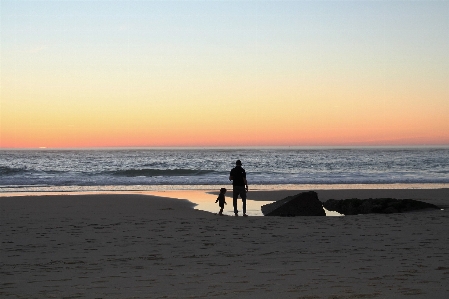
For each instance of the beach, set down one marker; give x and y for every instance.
(145, 246)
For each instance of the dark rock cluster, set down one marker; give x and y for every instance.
(302, 204)
(356, 206)
(308, 204)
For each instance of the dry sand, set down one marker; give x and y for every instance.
(138, 246)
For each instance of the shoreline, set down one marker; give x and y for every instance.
(204, 199)
(434, 193)
(253, 187)
(134, 245)
(37, 190)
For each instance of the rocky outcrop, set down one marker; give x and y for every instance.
(356, 206)
(302, 204)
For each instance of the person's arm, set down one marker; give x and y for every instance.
(246, 184)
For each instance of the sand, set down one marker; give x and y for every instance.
(139, 246)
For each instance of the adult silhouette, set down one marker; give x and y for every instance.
(239, 186)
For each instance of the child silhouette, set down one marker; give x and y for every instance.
(221, 200)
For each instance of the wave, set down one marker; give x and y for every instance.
(160, 172)
(5, 170)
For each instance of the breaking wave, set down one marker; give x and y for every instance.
(5, 170)
(160, 172)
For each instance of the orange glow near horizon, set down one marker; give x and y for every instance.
(204, 123)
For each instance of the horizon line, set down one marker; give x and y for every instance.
(240, 147)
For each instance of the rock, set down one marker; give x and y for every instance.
(356, 206)
(302, 204)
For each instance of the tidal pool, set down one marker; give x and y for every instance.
(205, 201)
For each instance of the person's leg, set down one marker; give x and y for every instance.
(243, 195)
(235, 195)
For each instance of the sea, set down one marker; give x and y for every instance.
(146, 169)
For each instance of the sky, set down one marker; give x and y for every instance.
(223, 73)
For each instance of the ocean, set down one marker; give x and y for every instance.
(208, 168)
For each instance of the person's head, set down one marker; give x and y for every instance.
(223, 190)
(238, 163)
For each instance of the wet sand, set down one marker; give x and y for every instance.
(141, 246)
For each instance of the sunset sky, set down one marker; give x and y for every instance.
(223, 73)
